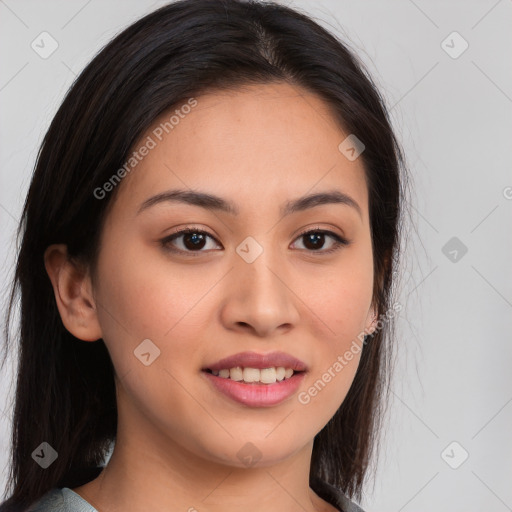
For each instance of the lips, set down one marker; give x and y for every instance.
(260, 361)
(256, 394)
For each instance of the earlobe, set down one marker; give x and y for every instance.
(73, 294)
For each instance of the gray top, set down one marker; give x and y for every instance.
(61, 500)
(66, 500)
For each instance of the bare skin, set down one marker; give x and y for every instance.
(178, 438)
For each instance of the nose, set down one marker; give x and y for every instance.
(260, 298)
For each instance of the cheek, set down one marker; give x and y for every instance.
(142, 298)
(340, 302)
(339, 297)
(147, 296)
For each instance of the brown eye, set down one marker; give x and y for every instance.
(193, 240)
(314, 240)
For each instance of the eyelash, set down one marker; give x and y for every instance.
(165, 242)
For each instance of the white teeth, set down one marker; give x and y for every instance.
(265, 375)
(251, 375)
(236, 373)
(268, 375)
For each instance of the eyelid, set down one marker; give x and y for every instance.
(177, 232)
(340, 240)
(323, 230)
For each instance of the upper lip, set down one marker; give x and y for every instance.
(255, 360)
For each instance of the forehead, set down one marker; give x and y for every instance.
(257, 143)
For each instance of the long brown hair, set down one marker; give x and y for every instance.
(65, 392)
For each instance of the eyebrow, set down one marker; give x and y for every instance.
(216, 203)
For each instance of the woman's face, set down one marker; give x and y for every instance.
(250, 283)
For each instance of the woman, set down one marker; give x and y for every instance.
(205, 273)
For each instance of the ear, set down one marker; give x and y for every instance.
(73, 293)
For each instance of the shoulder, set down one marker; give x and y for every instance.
(51, 501)
(61, 500)
(334, 496)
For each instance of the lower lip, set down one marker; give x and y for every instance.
(257, 395)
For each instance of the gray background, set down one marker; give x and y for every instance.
(454, 117)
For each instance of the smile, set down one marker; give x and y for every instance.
(255, 387)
